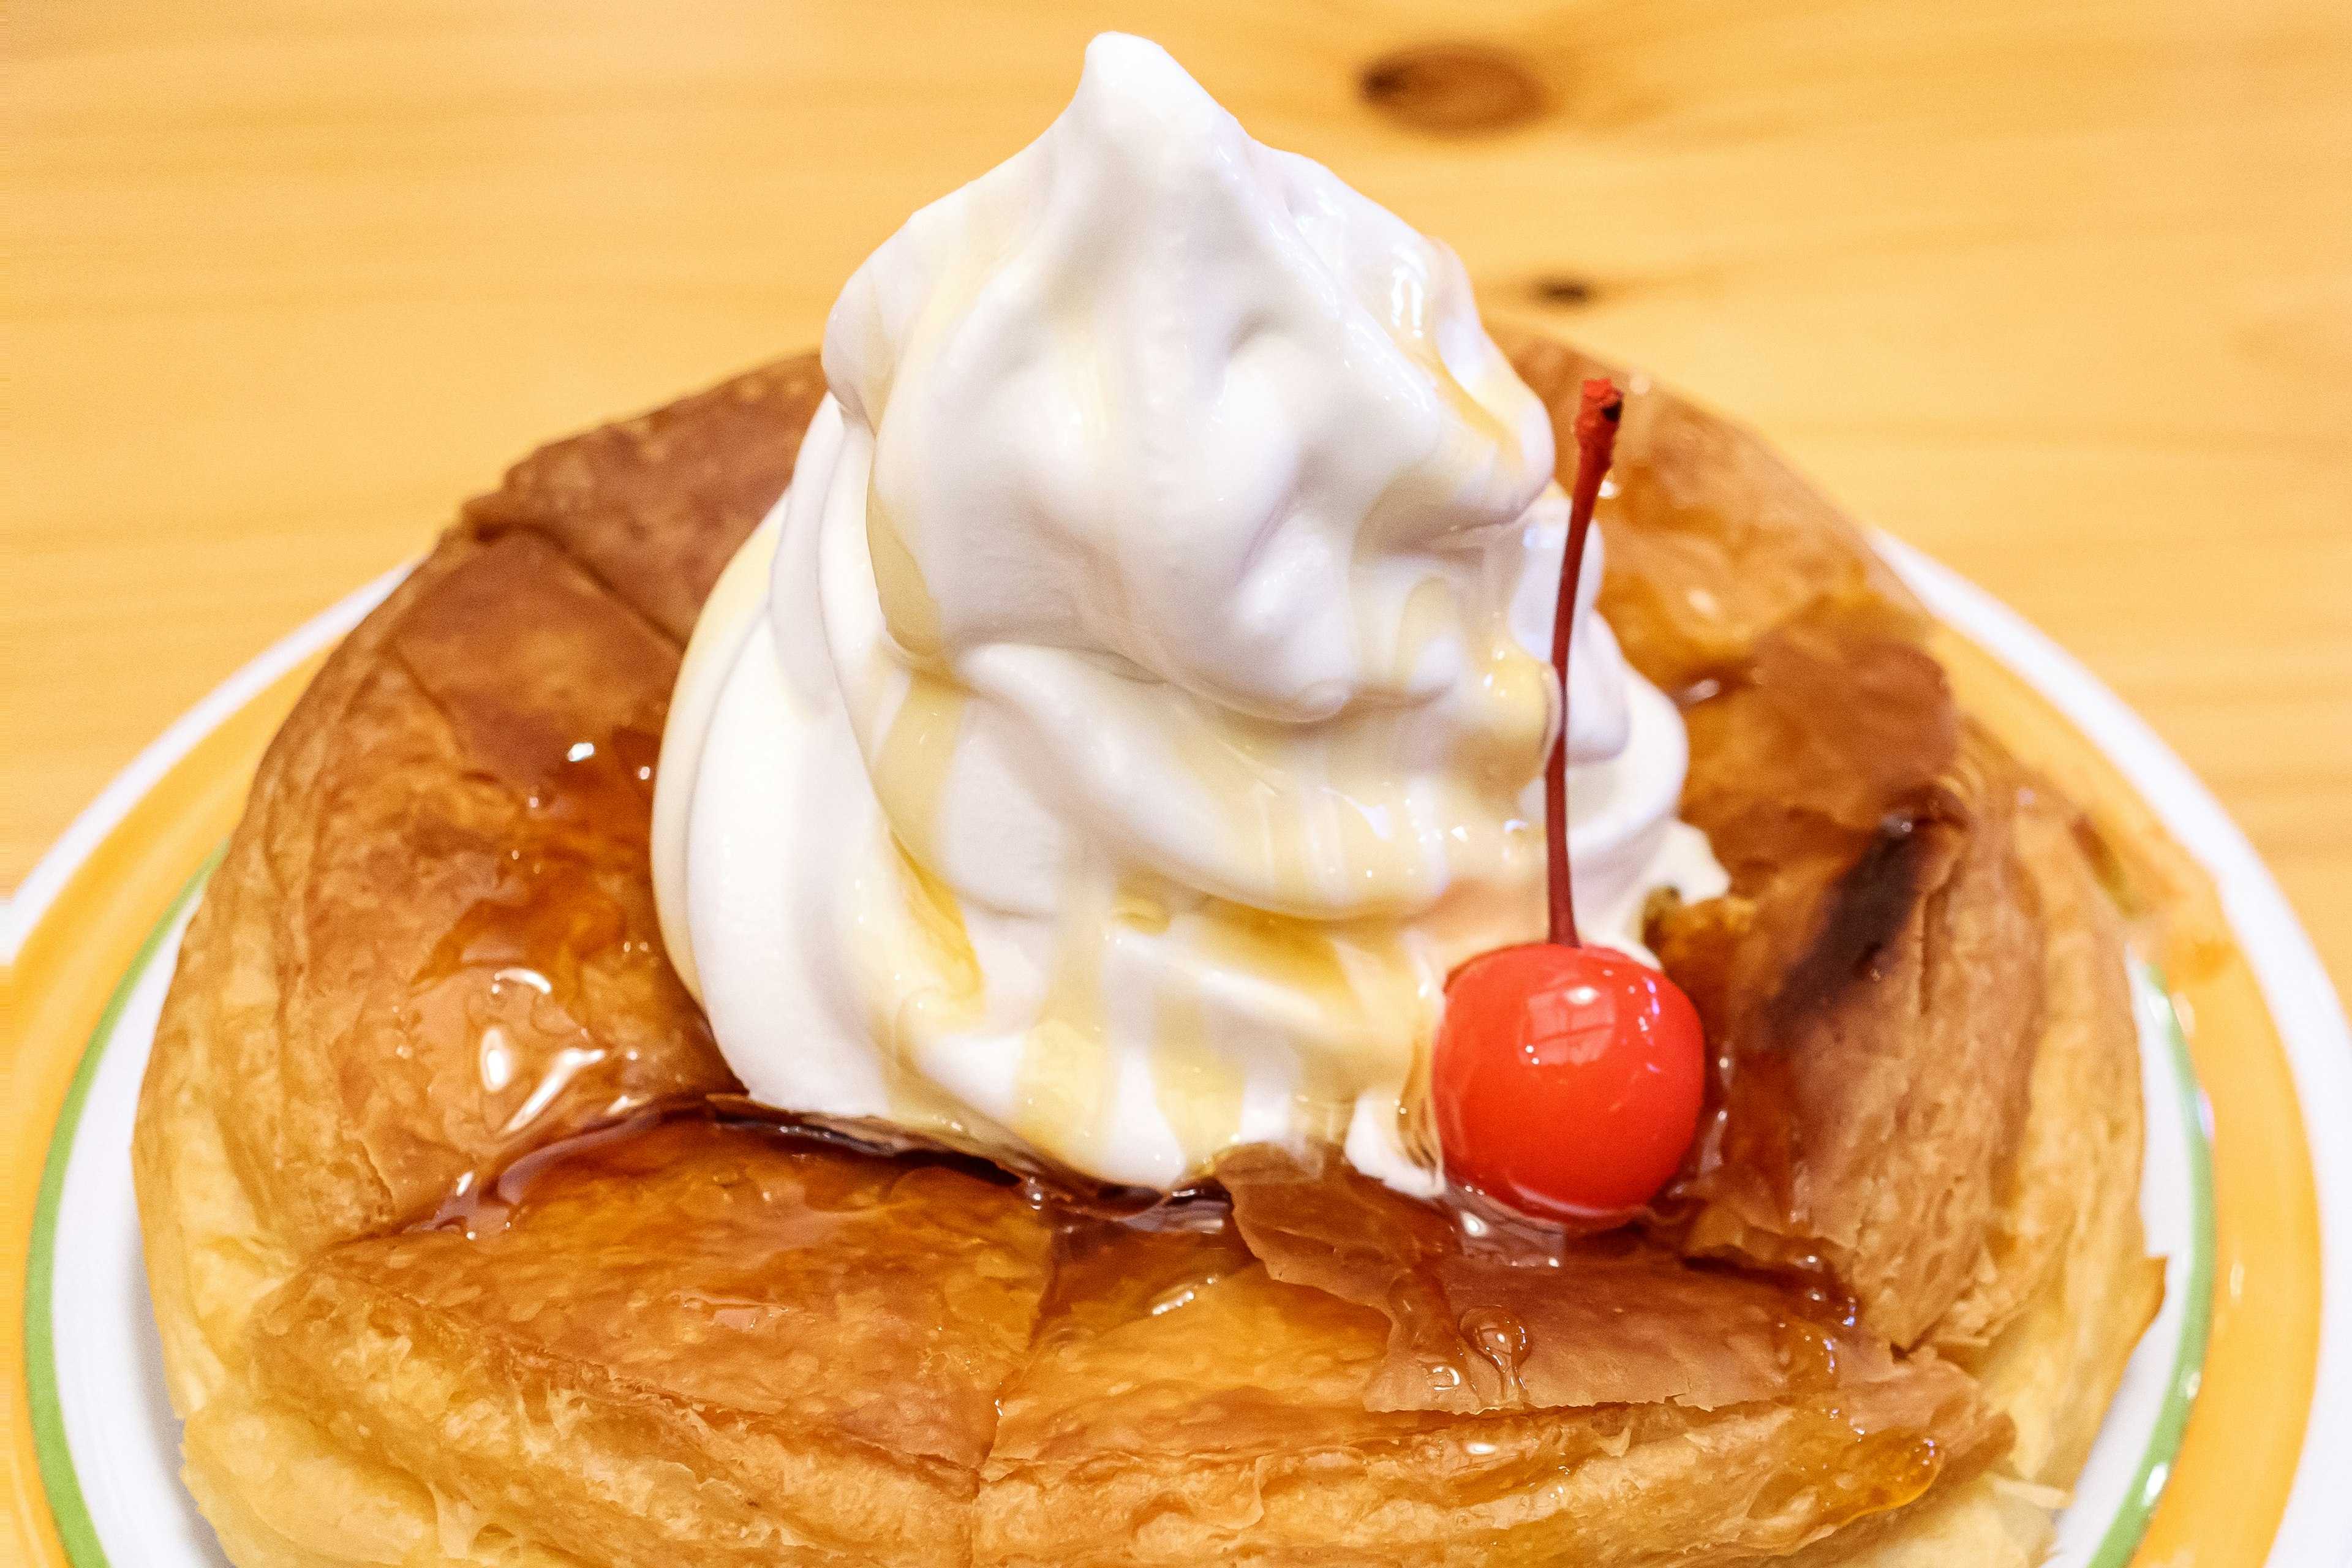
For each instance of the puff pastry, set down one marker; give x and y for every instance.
(462, 1255)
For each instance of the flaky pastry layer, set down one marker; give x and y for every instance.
(430, 1296)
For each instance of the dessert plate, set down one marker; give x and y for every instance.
(2235, 1408)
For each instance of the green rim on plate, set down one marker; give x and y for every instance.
(2130, 1523)
(75, 1528)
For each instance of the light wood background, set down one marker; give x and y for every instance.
(2059, 292)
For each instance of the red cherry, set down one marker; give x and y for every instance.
(1566, 1081)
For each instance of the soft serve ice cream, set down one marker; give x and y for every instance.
(1138, 702)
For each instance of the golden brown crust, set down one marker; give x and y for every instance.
(653, 507)
(1613, 1485)
(1713, 540)
(1186, 1404)
(324, 1068)
(1531, 1319)
(660, 1335)
(1873, 1043)
(430, 949)
(281, 1495)
(2066, 1287)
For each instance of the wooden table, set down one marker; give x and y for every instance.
(2061, 293)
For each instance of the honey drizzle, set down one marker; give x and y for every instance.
(482, 1201)
(1124, 1254)
(932, 973)
(1293, 823)
(1238, 773)
(1373, 1014)
(1428, 614)
(911, 765)
(1197, 1086)
(1408, 324)
(908, 610)
(1358, 815)
(547, 915)
(1320, 811)
(1064, 1093)
(1500, 1337)
(1520, 703)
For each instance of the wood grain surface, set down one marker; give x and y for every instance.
(2059, 292)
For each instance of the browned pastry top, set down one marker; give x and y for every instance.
(438, 1196)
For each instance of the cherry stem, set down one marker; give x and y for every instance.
(1597, 417)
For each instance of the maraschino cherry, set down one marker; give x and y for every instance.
(1567, 1078)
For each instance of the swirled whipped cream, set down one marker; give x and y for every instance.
(1138, 702)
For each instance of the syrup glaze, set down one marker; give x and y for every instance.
(1488, 1313)
(782, 1275)
(519, 964)
(1811, 768)
(445, 968)
(552, 971)
(1194, 1346)
(1291, 1298)
(548, 912)
(1873, 990)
